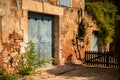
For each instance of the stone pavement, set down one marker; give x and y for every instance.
(75, 72)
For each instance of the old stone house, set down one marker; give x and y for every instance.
(51, 24)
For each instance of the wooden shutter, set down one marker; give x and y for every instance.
(65, 3)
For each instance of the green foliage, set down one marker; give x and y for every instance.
(44, 62)
(7, 76)
(27, 61)
(104, 13)
(30, 55)
(30, 60)
(4, 75)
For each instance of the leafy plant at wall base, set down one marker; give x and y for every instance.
(44, 62)
(4, 75)
(30, 60)
(104, 13)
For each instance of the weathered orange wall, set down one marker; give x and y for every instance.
(10, 32)
(14, 26)
(68, 30)
(11, 18)
(54, 2)
(92, 26)
(0, 39)
(66, 22)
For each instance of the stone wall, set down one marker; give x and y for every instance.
(14, 28)
(0, 40)
(65, 23)
(91, 26)
(68, 30)
(10, 32)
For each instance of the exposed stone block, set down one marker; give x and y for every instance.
(32, 5)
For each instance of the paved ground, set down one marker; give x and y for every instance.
(75, 72)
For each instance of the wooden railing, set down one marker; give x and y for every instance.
(101, 59)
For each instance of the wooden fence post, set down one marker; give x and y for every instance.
(107, 59)
(118, 58)
(85, 57)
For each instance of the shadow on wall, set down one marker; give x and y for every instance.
(69, 59)
(78, 54)
(78, 42)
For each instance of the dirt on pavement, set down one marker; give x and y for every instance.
(75, 72)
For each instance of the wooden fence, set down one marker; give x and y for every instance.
(101, 59)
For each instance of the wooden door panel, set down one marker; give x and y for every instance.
(40, 32)
(94, 41)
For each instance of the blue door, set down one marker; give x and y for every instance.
(40, 31)
(95, 41)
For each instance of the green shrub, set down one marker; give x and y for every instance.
(27, 60)
(30, 60)
(104, 13)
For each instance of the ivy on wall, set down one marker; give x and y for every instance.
(104, 13)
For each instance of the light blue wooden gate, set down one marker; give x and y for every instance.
(40, 31)
(94, 41)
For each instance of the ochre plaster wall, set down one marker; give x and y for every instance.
(65, 25)
(68, 28)
(14, 28)
(92, 26)
(10, 32)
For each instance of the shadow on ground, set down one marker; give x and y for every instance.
(83, 72)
